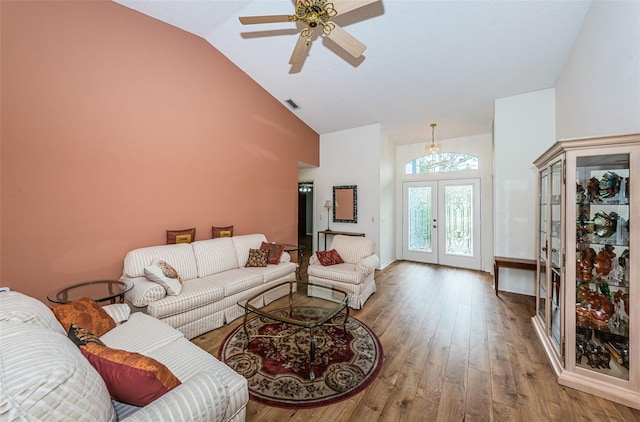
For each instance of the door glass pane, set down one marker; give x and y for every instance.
(544, 246)
(459, 220)
(556, 252)
(602, 267)
(420, 212)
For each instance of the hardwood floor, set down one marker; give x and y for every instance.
(453, 352)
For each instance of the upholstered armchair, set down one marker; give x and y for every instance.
(355, 275)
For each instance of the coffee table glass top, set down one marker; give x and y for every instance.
(300, 294)
(98, 290)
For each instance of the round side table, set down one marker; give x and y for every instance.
(98, 290)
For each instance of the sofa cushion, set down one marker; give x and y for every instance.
(274, 272)
(331, 257)
(215, 256)
(234, 281)
(164, 274)
(345, 273)
(18, 307)
(186, 361)
(142, 333)
(353, 249)
(245, 242)
(257, 258)
(85, 313)
(275, 252)
(44, 377)
(130, 377)
(179, 256)
(195, 293)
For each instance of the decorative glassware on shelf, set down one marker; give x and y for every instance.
(602, 266)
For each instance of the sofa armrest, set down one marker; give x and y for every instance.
(313, 260)
(368, 264)
(143, 292)
(201, 398)
(285, 257)
(118, 311)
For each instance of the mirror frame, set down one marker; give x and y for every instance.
(353, 188)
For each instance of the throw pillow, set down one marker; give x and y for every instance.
(331, 257)
(275, 252)
(221, 232)
(81, 336)
(85, 313)
(257, 258)
(130, 377)
(164, 274)
(181, 236)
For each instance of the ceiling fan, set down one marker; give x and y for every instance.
(317, 13)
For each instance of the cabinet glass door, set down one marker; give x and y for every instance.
(542, 253)
(556, 267)
(602, 264)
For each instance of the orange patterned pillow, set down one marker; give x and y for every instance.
(85, 313)
(275, 252)
(331, 257)
(130, 377)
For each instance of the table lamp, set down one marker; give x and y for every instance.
(327, 205)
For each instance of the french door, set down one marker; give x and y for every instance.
(441, 222)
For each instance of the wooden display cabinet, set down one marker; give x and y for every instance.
(588, 279)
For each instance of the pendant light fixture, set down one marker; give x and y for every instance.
(433, 148)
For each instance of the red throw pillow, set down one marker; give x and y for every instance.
(130, 377)
(331, 257)
(275, 252)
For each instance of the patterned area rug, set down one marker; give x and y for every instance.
(278, 368)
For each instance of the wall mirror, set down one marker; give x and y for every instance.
(345, 204)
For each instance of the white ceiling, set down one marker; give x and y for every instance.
(427, 61)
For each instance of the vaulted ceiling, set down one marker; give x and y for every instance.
(427, 61)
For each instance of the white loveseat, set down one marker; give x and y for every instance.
(355, 275)
(215, 279)
(44, 376)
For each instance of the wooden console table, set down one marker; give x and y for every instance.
(333, 233)
(517, 263)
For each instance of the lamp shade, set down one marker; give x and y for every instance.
(327, 204)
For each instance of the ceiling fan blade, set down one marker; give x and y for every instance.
(300, 51)
(250, 20)
(345, 6)
(346, 41)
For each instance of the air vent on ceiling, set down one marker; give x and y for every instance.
(292, 104)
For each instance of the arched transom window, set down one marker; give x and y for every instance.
(442, 162)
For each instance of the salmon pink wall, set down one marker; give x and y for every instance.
(116, 127)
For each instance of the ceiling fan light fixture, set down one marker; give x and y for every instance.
(313, 14)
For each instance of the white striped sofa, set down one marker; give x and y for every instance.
(355, 275)
(215, 279)
(44, 376)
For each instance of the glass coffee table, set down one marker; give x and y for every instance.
(290, 309)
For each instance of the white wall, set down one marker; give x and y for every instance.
(348, 157)
(598, 92)
(524, 128)
(387, 202)
(480, 146)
